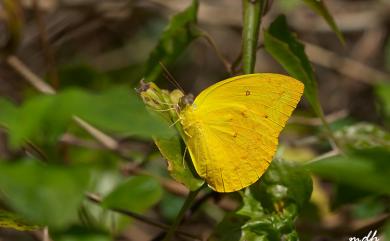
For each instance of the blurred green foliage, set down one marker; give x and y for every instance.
(49, 116)
(38, 191)
(129, 194)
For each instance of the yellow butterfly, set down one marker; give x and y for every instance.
(232, 127)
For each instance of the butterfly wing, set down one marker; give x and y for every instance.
(233, 127)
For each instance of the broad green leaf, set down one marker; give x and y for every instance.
(174, 40)
(136, 194)
(364, 169)
(290, 53)
(320, 8)
(172, 150)
(42, 194)
(383, 92)
(12, 221)
(120, 110)
(44, 118)
(363, 136)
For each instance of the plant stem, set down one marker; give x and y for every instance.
(252, 13)
(187, 204)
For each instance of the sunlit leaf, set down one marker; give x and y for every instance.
(176, 37)
(12, 221)
(320, 8)
(136, 194)
(42, 194)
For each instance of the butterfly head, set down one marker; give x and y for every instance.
(186, 100)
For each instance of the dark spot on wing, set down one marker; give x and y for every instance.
(247, 93)
(235, 134)
(266, 116)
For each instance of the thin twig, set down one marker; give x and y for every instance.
(97, 200)
(32, 78)
(100, 136)
(45, 234)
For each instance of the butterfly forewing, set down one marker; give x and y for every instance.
(233, 127)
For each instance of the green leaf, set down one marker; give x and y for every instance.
(290, 53)
(45, 118)
(383, 92)
(320, 8)
(252, 14)
(82, 234)
(12, 221)
(120, 110)
(174, 40)
(363, 136)
(367, 169)
(172, 150)
(136, 194)
(45, 195)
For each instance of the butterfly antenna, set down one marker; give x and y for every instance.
(170, 77)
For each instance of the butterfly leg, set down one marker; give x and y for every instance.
(184, 157)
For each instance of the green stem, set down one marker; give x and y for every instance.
(187, 204)
(252, 13)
